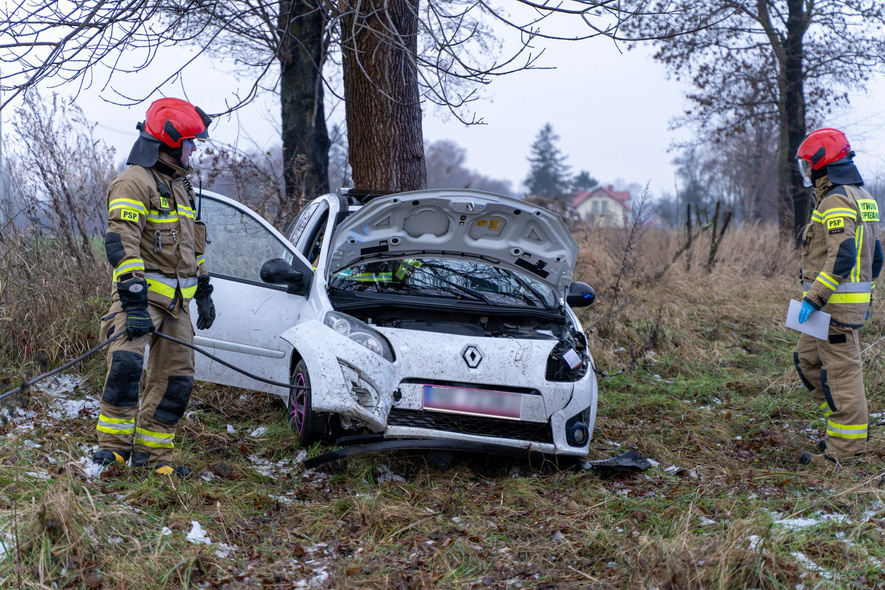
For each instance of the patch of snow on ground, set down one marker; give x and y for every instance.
(873, 512)
(63, 408)
(60, 384)
(231, 429)
(22, 420)
(71, 408)
(320, 575)
(384, 474)
(805, 562)
(6, 545)
(817, 519)
(260, 431)
(90, 470)
(224, 550)
(197, 534)
(271, 468)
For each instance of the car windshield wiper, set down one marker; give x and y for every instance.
(525, 284)
(454, 288)
(433, 268)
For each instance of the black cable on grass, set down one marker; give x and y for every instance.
(603, 374)
(230, 366)
(24, 386)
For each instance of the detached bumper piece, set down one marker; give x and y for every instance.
(418, 445)
(629, 461)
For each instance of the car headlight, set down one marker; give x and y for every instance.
(360, 332)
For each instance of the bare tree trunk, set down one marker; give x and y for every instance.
(793, 198)
(305, 138)
(379, 43)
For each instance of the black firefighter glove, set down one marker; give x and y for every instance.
(205, 307)
(134, 299)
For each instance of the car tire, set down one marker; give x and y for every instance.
(310, 427)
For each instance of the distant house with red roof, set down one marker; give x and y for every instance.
(603, 206)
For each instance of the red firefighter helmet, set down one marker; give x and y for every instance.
(171, 120)
(824, 147)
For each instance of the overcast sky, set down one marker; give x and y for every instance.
(611, 109)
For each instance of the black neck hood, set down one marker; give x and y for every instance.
(843, 172)
(146, 149)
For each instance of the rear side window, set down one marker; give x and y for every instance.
(301, 221)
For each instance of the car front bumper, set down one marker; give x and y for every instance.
(365, 389)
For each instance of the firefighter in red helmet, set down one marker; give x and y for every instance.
(841, 260)
(155, 244)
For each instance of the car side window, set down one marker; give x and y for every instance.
(313, 240)
(296, 228)
(237, 243)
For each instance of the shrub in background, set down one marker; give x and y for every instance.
(54, 280)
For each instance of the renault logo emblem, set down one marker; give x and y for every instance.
(472, 356)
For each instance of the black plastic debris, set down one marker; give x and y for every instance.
(414, 445)
(629, 461)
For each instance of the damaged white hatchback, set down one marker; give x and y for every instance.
(439, 315)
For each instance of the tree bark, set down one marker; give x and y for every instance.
(383, 110)
(304, 134)
(793, 198)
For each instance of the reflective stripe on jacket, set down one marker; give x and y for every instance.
(152, 231)
(841, 252)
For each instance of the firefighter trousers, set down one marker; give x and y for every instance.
(148, 427)
(832, 371)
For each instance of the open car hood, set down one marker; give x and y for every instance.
(457, 223)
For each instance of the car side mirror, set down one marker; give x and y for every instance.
(277, 271)
(580, 295)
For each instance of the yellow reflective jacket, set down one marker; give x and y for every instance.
(841, 252)
(152, 230)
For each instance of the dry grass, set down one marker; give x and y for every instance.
(50, 302)
(707, 391)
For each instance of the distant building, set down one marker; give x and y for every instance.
(603, 206)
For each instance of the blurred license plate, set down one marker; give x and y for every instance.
(481, 402)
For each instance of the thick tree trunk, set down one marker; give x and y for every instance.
(792, 194)
(305, 138)
(379, 43)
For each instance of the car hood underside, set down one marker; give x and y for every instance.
(508, 232)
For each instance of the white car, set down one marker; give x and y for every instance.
(437, 315)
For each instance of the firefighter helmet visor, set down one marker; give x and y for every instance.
(805, 170)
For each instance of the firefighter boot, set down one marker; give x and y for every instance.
(143, 461)
(821, 461)
(108, 457)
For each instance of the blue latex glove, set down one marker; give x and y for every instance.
(806, 310)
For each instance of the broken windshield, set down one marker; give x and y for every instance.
(450, 279)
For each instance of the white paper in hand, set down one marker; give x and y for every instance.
(817, 324)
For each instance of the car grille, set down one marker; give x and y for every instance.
(476, 425)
